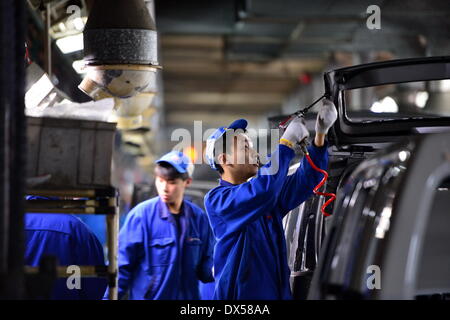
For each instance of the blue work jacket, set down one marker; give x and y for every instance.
(250, 260)
(155, 262)
(72, 243)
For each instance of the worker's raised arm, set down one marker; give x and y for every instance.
(299, 186)
(236, 206)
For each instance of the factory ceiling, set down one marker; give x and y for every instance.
(227, 59)
(245, 57)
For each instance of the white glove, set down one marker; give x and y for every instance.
(326, 117)
(296, 131)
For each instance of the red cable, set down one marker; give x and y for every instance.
(27, 54)
(283, 123)
(316, 189)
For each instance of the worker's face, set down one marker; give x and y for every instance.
(171, 191)
(243, 160)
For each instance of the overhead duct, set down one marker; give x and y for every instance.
(131, 112)
(121, 57)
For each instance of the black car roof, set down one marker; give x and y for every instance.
(379, 73)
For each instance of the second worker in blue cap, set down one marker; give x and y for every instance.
(250, 261)
(166, 244)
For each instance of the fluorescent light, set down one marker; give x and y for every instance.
(71, 43)
(386, 105)
(38, 92)
(78, 65)
(445, 85)
(421, 99)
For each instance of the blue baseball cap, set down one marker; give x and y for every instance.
(179, 161)
(211, 141)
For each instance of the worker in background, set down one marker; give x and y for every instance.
(67, 238)
(165, 244)
(250, 260)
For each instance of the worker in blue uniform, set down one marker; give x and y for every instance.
(67, 238)
(165, 244)
(250, 260)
